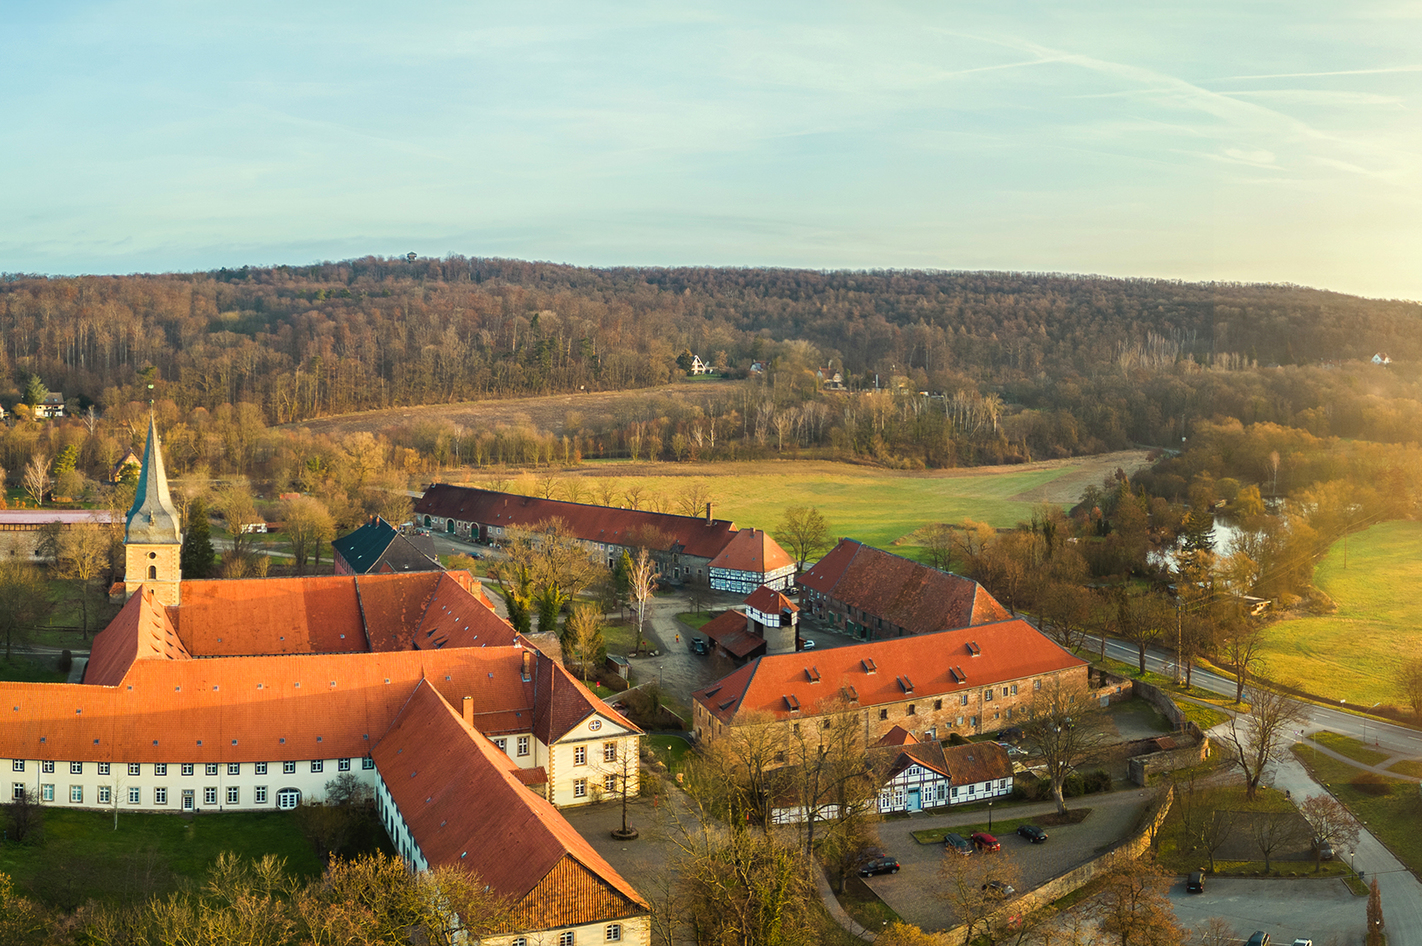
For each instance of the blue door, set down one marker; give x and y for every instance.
(913, 800)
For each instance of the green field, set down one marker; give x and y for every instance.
(876, 506)
(1354, 654)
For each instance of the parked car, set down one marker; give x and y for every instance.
(807, 644)
(1010, 734)
(1303, 942)
(985, 842)
(1032, 833)
(698, 645)
(1012, 750)
(1324, 849)
(957, 843)
(1260, 938)
(879, 865)
(1195, 883)
(999, 889)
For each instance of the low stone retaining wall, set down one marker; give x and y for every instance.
(1128, 850)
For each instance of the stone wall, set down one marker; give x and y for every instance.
(1135, 844)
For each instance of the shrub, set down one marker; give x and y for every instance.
(1371, 783)
(66, 661)
(1030, 788)
(956, 739)
(1098, 781)
(1074, 786)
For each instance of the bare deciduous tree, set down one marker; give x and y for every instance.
(584, 634)
(1262, 735)
(805, 531)
(1134, 905)
(1330, 822)
(308, 524)
(642, 581)
(1063, 726)
(35, 478)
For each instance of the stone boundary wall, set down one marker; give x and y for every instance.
(1131, 848)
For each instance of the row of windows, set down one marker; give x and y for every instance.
(912, 708)
(209, 768)
(287, 798)
(612, 933)
(503, 744)
(609, 753)
(580, 785)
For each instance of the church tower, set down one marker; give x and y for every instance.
(153, 538)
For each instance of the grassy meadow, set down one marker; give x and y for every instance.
(1354, 653)
(879, 507)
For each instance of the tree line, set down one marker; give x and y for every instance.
(972, 367)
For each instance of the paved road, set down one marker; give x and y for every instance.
(1401, 891)
(1324, 911)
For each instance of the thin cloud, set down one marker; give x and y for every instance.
(1340, 72)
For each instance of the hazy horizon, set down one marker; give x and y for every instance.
(1207, 143)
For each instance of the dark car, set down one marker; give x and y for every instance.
(698, 645)
(879, 865)
(1010, 734)
(985, 842)
(1032, 833)
(1260, 938)
(999, 889)
(1195, 883)
(1324, 849)
(957, 843)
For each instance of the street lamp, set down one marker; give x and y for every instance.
(989, 817)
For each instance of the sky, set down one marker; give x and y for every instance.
(1208, 140)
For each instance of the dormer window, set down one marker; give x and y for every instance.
(973, 649)
(869, 665)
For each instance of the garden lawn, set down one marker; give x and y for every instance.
(672, 750)
(1392, 818)
(82, 856)
(695, 619)
(1355, 653)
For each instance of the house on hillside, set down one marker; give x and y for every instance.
(699, 367)
(970, 681)
(684, 546)
(872, 594)
(51, 406)
(1381, 358)
(129, 461)
(378, 548)
(831, 379)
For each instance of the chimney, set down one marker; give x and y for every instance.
(708, 514)
(469, 711)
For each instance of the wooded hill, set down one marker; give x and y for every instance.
(1077, 364)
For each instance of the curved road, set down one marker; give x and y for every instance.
(1401, 891)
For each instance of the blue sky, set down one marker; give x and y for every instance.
(1274, 142)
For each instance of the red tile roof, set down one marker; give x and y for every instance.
(976, 762)
(904, 593)
(751, 550)
(927, 754)
(768, 601)
(140, 631)
(1008, 650)
(731, 631)
(465, 807)
(270, 616)
(603, 524)
(898, 736)
(564, 702)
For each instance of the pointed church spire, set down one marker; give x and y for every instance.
(153, 518)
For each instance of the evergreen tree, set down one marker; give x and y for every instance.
(197, 555)
(35, 391)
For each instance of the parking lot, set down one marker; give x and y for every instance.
(913, 891)
(1287, 909)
